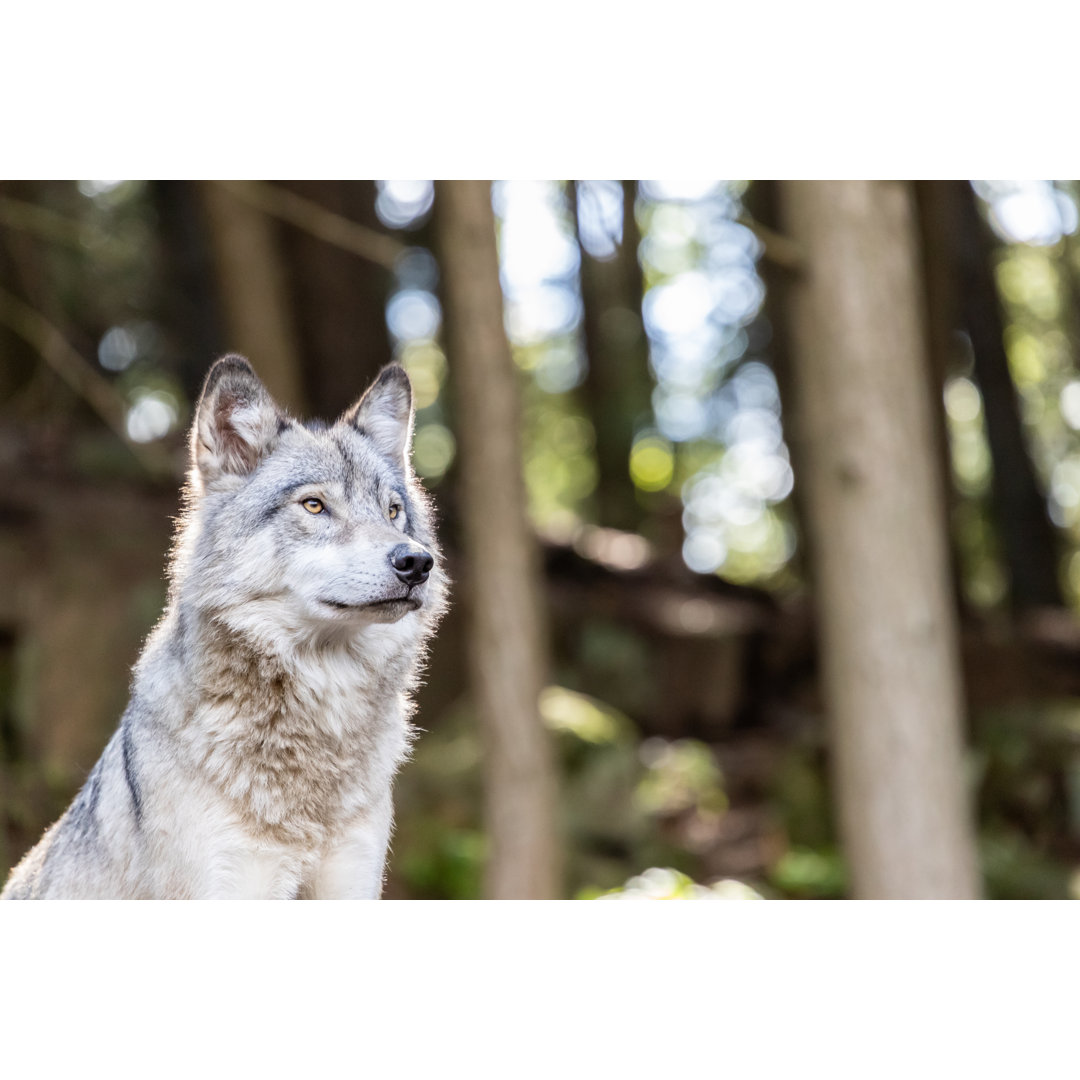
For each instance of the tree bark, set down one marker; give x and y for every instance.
(944, 345)
(934, 212)
(340, 298)
(762, 203)
(617, 384)
(1027, 534)
(962, 295)
(16, 260)
(191, 304)
(507, 639)
(258, 313)
(890, 653)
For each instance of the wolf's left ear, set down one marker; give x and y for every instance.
(236, 422)
(385, 414)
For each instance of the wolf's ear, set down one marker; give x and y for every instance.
(236, 422)
(385, 414)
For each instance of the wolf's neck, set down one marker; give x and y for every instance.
(223, 661)
(286, 738)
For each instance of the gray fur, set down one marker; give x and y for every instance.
(270, 707)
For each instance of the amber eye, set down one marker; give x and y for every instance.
(313, 506)
(394, 510)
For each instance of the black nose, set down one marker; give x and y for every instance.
(411, 563)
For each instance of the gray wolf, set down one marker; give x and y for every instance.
(270, 706)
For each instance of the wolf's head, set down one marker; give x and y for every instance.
(298, 531)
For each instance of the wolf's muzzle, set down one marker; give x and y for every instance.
(411, 563)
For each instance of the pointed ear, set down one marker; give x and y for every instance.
(236, 422)
(385, 414)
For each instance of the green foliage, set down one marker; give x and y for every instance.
(802, 798)
(805, 874)
(560, 467)
(624, 807)
(1015, 869)
(618, 662)
(438, 847)
(681, 775)
(668, 884)
(1027, 766)
(620, 798)
(434, 446)
(442, 863)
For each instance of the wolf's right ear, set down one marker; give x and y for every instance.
(236, 422)
(385, 414)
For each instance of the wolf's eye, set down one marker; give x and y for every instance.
(313, 506)
(395, 509)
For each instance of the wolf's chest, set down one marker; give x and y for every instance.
(295, 763)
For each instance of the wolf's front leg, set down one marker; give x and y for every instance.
(250, 873)
(353, 868)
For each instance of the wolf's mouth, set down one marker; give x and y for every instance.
(408, 600)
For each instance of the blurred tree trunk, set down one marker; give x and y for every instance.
(254, 294)
(1027, 534)
(933, 205)
(962, 297)
(944, 344)
(190, 304)
(502, 567)
(762, 203)
(18, 277)
(617, 383)
(340, 298)
(890, 653)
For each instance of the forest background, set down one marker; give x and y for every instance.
(788, 475)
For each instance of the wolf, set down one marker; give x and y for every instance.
(270, 707)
